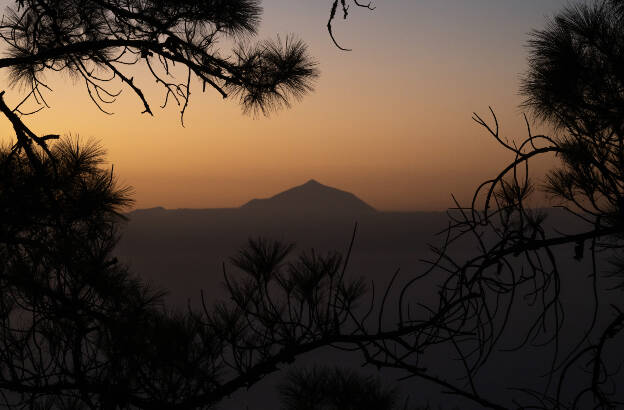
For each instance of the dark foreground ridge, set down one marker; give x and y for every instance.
(312, 197)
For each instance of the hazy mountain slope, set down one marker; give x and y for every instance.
(312, 197)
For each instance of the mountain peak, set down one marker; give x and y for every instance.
(312, 197)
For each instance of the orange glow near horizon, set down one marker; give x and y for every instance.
(389, 121)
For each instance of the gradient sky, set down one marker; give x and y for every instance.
(389, 121)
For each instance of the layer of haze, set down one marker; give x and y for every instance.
(389, 121)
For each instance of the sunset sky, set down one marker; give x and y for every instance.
(389, 121)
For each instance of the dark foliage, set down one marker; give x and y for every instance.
(98, 41)
(335, 388)
(576, 69)
(575, 82)
(326, 388)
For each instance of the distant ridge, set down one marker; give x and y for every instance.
(154, 210)
(312, 197)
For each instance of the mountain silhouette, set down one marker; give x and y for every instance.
(312, 198)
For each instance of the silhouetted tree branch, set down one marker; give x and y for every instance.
(344, 8)
(100, 40)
